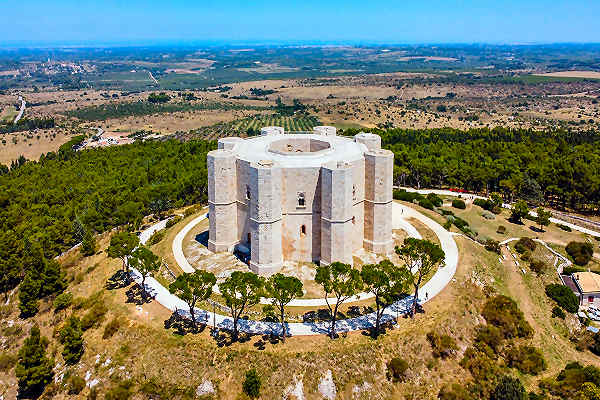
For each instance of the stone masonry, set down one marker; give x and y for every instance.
(305, 196)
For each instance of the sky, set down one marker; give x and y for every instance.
(391, 21)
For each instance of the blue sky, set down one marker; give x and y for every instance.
(392, 21)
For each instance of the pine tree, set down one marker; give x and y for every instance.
(34, 369)
(88, 244)
(53, 279)
(29, 292)
(71, 336)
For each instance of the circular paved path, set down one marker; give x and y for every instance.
(400, 213)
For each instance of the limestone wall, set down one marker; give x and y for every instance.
(222, 200)
(379, 167)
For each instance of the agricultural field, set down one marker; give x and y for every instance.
(251, 126)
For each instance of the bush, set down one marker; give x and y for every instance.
(455, 392)
(558, 312)
(538, 266)
(63, 301)
(7, 361)
(192, 210)
(156, 237)
(447, 225)
(509, 388)
(94, 317)
(489, 339)
(492, 245)
(527, 359)
(173, 221)
(71, 336)
(403, 195)
(564, 227)
(572, 270)
(75, 384)
(120, 392)
(426, 204)
(396, 369)
(447, 212)
(435, 199)
(563, 296)
(483, 368)
(460, 204)
(503, 313)
(111, 328)
(443, 346)
(251, 385)
(580, 252)
(501, 229)
(525, 244)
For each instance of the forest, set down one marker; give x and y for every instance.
(52, 203)
(559, 168)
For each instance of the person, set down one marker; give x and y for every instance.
(426, 295)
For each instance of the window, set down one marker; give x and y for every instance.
(353, 192)
(301, 201)
(353, 220)
(247, 192)
(303, 230)
(249, 237)
(590, 299)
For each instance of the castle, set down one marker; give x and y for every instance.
(313, 197)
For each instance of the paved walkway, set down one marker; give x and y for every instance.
(442, 192)
(434, 286)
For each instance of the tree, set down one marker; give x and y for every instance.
(9, 275)
(421, 257)
(241, 290)
(342, 281)
(543, 217)
(53, 278)
(121, 246)
(251, 385)
(282, 290)
(88, 243)
(496, 200)
(34, 369)
(519, 210)
(146, 262)
(386, 281)
(509, 388)
(71, 336)
(29, 292)
(193, 287)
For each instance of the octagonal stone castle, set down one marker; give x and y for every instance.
(313, 197)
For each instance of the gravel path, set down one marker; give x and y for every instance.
(430, 289)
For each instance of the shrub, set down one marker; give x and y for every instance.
(460, 204)
(251, 385)
(111, 328)
(443, 346)
(580, 252)
(447, 212)
(455, 392)
(509, 388)
(120, 392)
(173, 221)
(572, 270)
(403, 195)
(7, 361)
(527, 359)
(502, 312)
(564, 227)
(489, 339)
(156, 237)
(492, 245)
(483, 368)
(425, 203)
(563, 296)
(396, 369)
(63, 301)
(558, 312)
(75, 384)
(191, 210)
(525, 244)
(88, 244)
(94, 317)
(435, 199)
(447, 225)
(501, 229)
(538, 266)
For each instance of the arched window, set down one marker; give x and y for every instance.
(301, 201)
(247, 192)
(354, 220)
(303, 230)
(249, 237)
